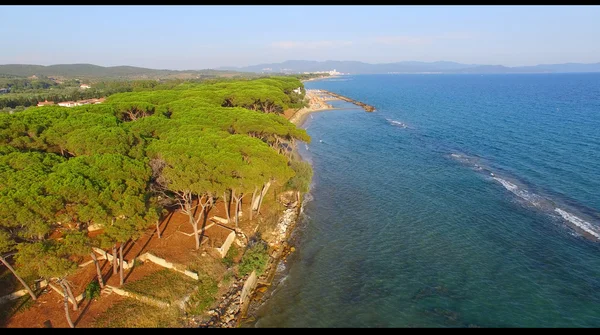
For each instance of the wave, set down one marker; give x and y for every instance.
(397, 123)
(580, 223)
(532, 198)
(543, 203)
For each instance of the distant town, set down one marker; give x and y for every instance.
(290, 71)
(331, 72)
(71, 103)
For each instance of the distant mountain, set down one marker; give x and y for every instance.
(355, 67)
(95, 71)
(571, 67)
(290, 66)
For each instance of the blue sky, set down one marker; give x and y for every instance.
(199, 37)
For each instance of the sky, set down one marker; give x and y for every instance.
(201, 37)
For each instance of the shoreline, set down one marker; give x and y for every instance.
(320, 78)
(229, 313)
(317, 104)
(289, 219)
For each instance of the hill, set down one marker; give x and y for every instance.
(355, 67)
(96, 71)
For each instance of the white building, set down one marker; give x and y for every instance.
(68, 104)
(331, 72)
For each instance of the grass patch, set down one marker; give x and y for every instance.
(255, 258)
(227, 277)
(203, 297)
(210, 266)
(130, 313)
(165, 285)
(232, 253)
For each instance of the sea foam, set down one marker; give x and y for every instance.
(582, 224)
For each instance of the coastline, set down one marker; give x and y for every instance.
(317, 103)
(320, 78)
(230, 312)
(287, 223)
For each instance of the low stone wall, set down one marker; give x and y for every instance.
(219, 220)
(139, 297)
(20, 293)
(162, 262)
(248, 287)
(223, 249)
(200, 232)
(109, 257)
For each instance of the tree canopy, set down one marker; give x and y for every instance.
(62, 169)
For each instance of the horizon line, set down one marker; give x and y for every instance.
(299, 60)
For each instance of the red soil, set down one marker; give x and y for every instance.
(174, 246)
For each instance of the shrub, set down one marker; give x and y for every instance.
(255, 258)
(204, 296)
(92, 290)
(232, 253)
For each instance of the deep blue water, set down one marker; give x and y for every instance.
(463, 200)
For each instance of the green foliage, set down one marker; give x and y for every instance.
(46, 259)
(255, 259)
(165, 285)
(6, 242)
(131, 313)
(232, 253)
(27, 209)
(63, 168)
(203, 297)
(302, 177)
(92, 290)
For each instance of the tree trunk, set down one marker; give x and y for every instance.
(121, 264)
(66, 303)
(114, 254)
(18, 278)
(196, 235)
(70, 293)
(252, 202)
(194, 224)
(98, 271)
(262, 196)
(158, 229)
(226, 204)
(237, 205)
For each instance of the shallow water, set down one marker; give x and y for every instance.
(463, 200)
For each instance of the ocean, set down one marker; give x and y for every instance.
(462, 201)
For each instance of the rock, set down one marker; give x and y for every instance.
(262, 289)
(292, 249)
(204, 254)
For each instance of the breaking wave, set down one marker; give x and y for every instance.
(580, 223)
(530, 198)
(397, 123)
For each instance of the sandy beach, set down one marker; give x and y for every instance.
(317, 102)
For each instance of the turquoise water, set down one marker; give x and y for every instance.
(463, 200)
